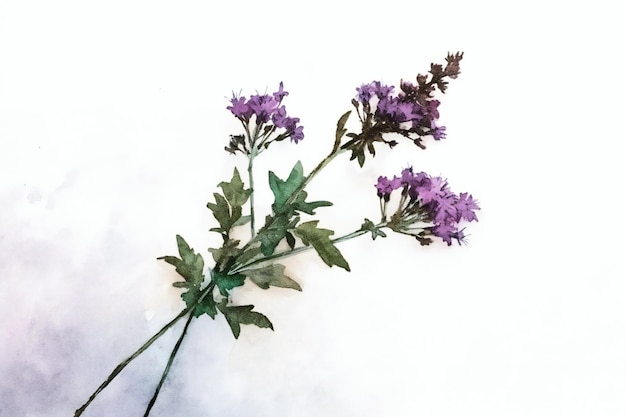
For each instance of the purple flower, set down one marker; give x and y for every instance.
(297, 134)
(432, 109)
(279, 118)
(366, 91)
(447, 232)
(239, 107)
(385, 186)
(280, 94)
(466, 207)
(439, 132)
(262, 107)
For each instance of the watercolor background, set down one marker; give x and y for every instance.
(112, 126)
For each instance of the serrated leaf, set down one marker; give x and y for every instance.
(227, 208)
(271, 275)
(319, 238)
(270, 239)
(238, 315)
(206, 306)
(369, 226)
(222, 255)
(191, 296)
(271, 236)
(225, 282)
(234, 190)
(284, 189)
(190, 265)
(308, 207)
(221, 212)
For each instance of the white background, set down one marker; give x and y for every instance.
(112, 128)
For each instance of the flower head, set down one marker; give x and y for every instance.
(411, 112)
(428, 202)
(269, 116)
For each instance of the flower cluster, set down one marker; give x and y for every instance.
(411, 112)
(400, 113)
(427, 205)
(268, 114)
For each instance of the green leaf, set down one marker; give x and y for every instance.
(243, 220)
(340, 129)
(234, 191)
(271, 236)
(221, 212)
(319, 238)
(308, 207)
(190, 265)
(224, 254)
(248, 255)
(206, 306)
(284, 189)
(238, 315)
(227, 208)
(369, 226)
(225, 282)
(271, 275)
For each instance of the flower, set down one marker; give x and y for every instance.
(239, 108)
(385, 186)
(280, 94)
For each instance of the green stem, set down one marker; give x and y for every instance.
(128, 360)
(300, 249)
(251, 181)
(168, 366)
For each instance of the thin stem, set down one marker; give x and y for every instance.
(128, 360)
(251, 181)
(206, 291)
(168, 366)
(300, 249)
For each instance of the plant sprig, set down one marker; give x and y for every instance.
(426, 208)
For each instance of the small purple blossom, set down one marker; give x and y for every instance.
(297, 134)
(466, 207)
(385, 186)
(280, 94)
(367, 91)
(439, 132)
(239, 107)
